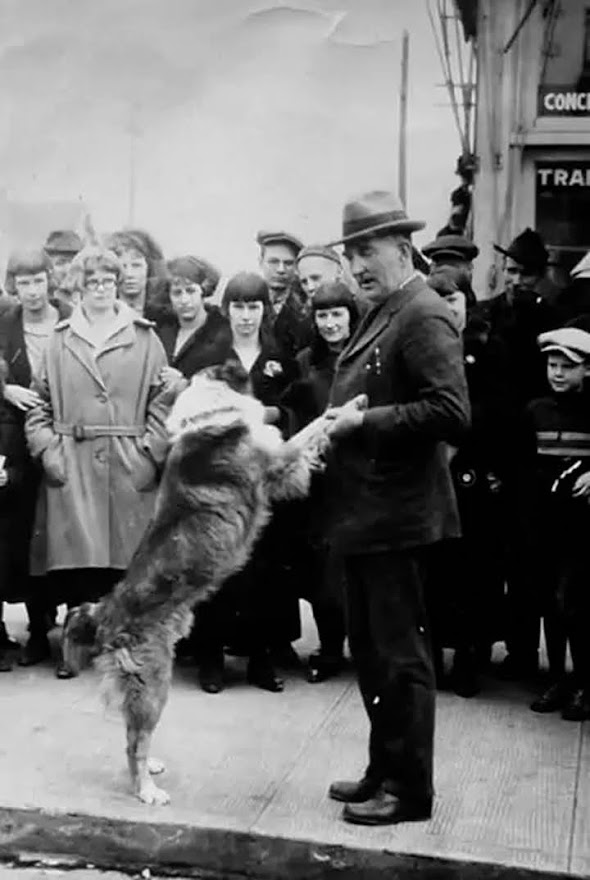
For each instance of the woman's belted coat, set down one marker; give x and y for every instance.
(100, 436)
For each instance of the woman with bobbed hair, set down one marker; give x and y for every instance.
(99, 434)
(25, 328)
(198, 335)
(143, 286)
(335, 314)
(258, 608)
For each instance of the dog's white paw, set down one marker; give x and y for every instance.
(155, 766)
(151, 794)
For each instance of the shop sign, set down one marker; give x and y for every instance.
(563, 101)
(560, 175)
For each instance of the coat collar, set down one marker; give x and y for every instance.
(80, 343)
(376, 319)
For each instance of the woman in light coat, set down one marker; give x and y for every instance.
(99, 434)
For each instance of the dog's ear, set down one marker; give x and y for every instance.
(79, 635)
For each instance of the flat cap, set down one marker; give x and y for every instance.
(63, 241)
(319, 250)
(265, 237)
(573, 342)
(456, 246)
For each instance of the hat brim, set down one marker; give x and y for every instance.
(513, 256)
(571, 354)
(391, 226)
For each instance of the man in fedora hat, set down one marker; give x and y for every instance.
(524, 310)
(399, 396)
(292, 325)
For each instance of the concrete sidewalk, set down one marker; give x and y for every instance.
(248, 773)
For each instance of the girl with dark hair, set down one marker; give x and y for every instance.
(198, 335)
(335, 317)
(261, 602)
(25, 330)
(469, 615)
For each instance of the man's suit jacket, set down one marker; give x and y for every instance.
(391, 485)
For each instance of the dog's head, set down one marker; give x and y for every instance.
(79, 635)
(214, 401)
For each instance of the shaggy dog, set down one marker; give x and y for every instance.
(225, 468)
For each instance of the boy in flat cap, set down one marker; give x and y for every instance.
(291, 320)
(555, 449)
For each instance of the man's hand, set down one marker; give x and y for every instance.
(20, 397)
(582, 486)
(347, 418)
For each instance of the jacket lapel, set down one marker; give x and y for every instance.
(376, 320)
(79, 346)
(18, 360)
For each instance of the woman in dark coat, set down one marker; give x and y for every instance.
(335, 316)
(197, 335)
(468, 596)
(24, 332)
(258, 609)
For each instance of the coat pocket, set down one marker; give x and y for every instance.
(141, 467)
(54, 463)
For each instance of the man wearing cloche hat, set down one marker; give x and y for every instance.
(399, 396)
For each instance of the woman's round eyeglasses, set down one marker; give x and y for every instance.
(105, 283)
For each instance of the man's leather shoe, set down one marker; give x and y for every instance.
(554, 698)
(577, 707)
(348, 792)
(35, 651)
(386, 809)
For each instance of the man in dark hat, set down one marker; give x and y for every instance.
(399, 396)
(61, 247)
(292, 325)
(517, 317)
(453, 254)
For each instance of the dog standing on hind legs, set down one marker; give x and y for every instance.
(224, 470)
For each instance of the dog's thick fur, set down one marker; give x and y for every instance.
(224, 469)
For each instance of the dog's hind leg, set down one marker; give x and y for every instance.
(142, 710)
(138, 744)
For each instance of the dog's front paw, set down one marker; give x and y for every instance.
(155, 766)
(149, 793)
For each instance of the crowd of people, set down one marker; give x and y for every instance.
(97, 340)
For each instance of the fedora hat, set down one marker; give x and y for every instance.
(374, 212)
(528, 250)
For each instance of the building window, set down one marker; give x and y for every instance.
(562, 198)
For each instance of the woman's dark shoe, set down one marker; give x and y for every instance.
(321, 667)
(64, 671)
(211, 677)
(35, 651)
(261, 673)
(5, 662)
(577, 707)
(554, 698)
